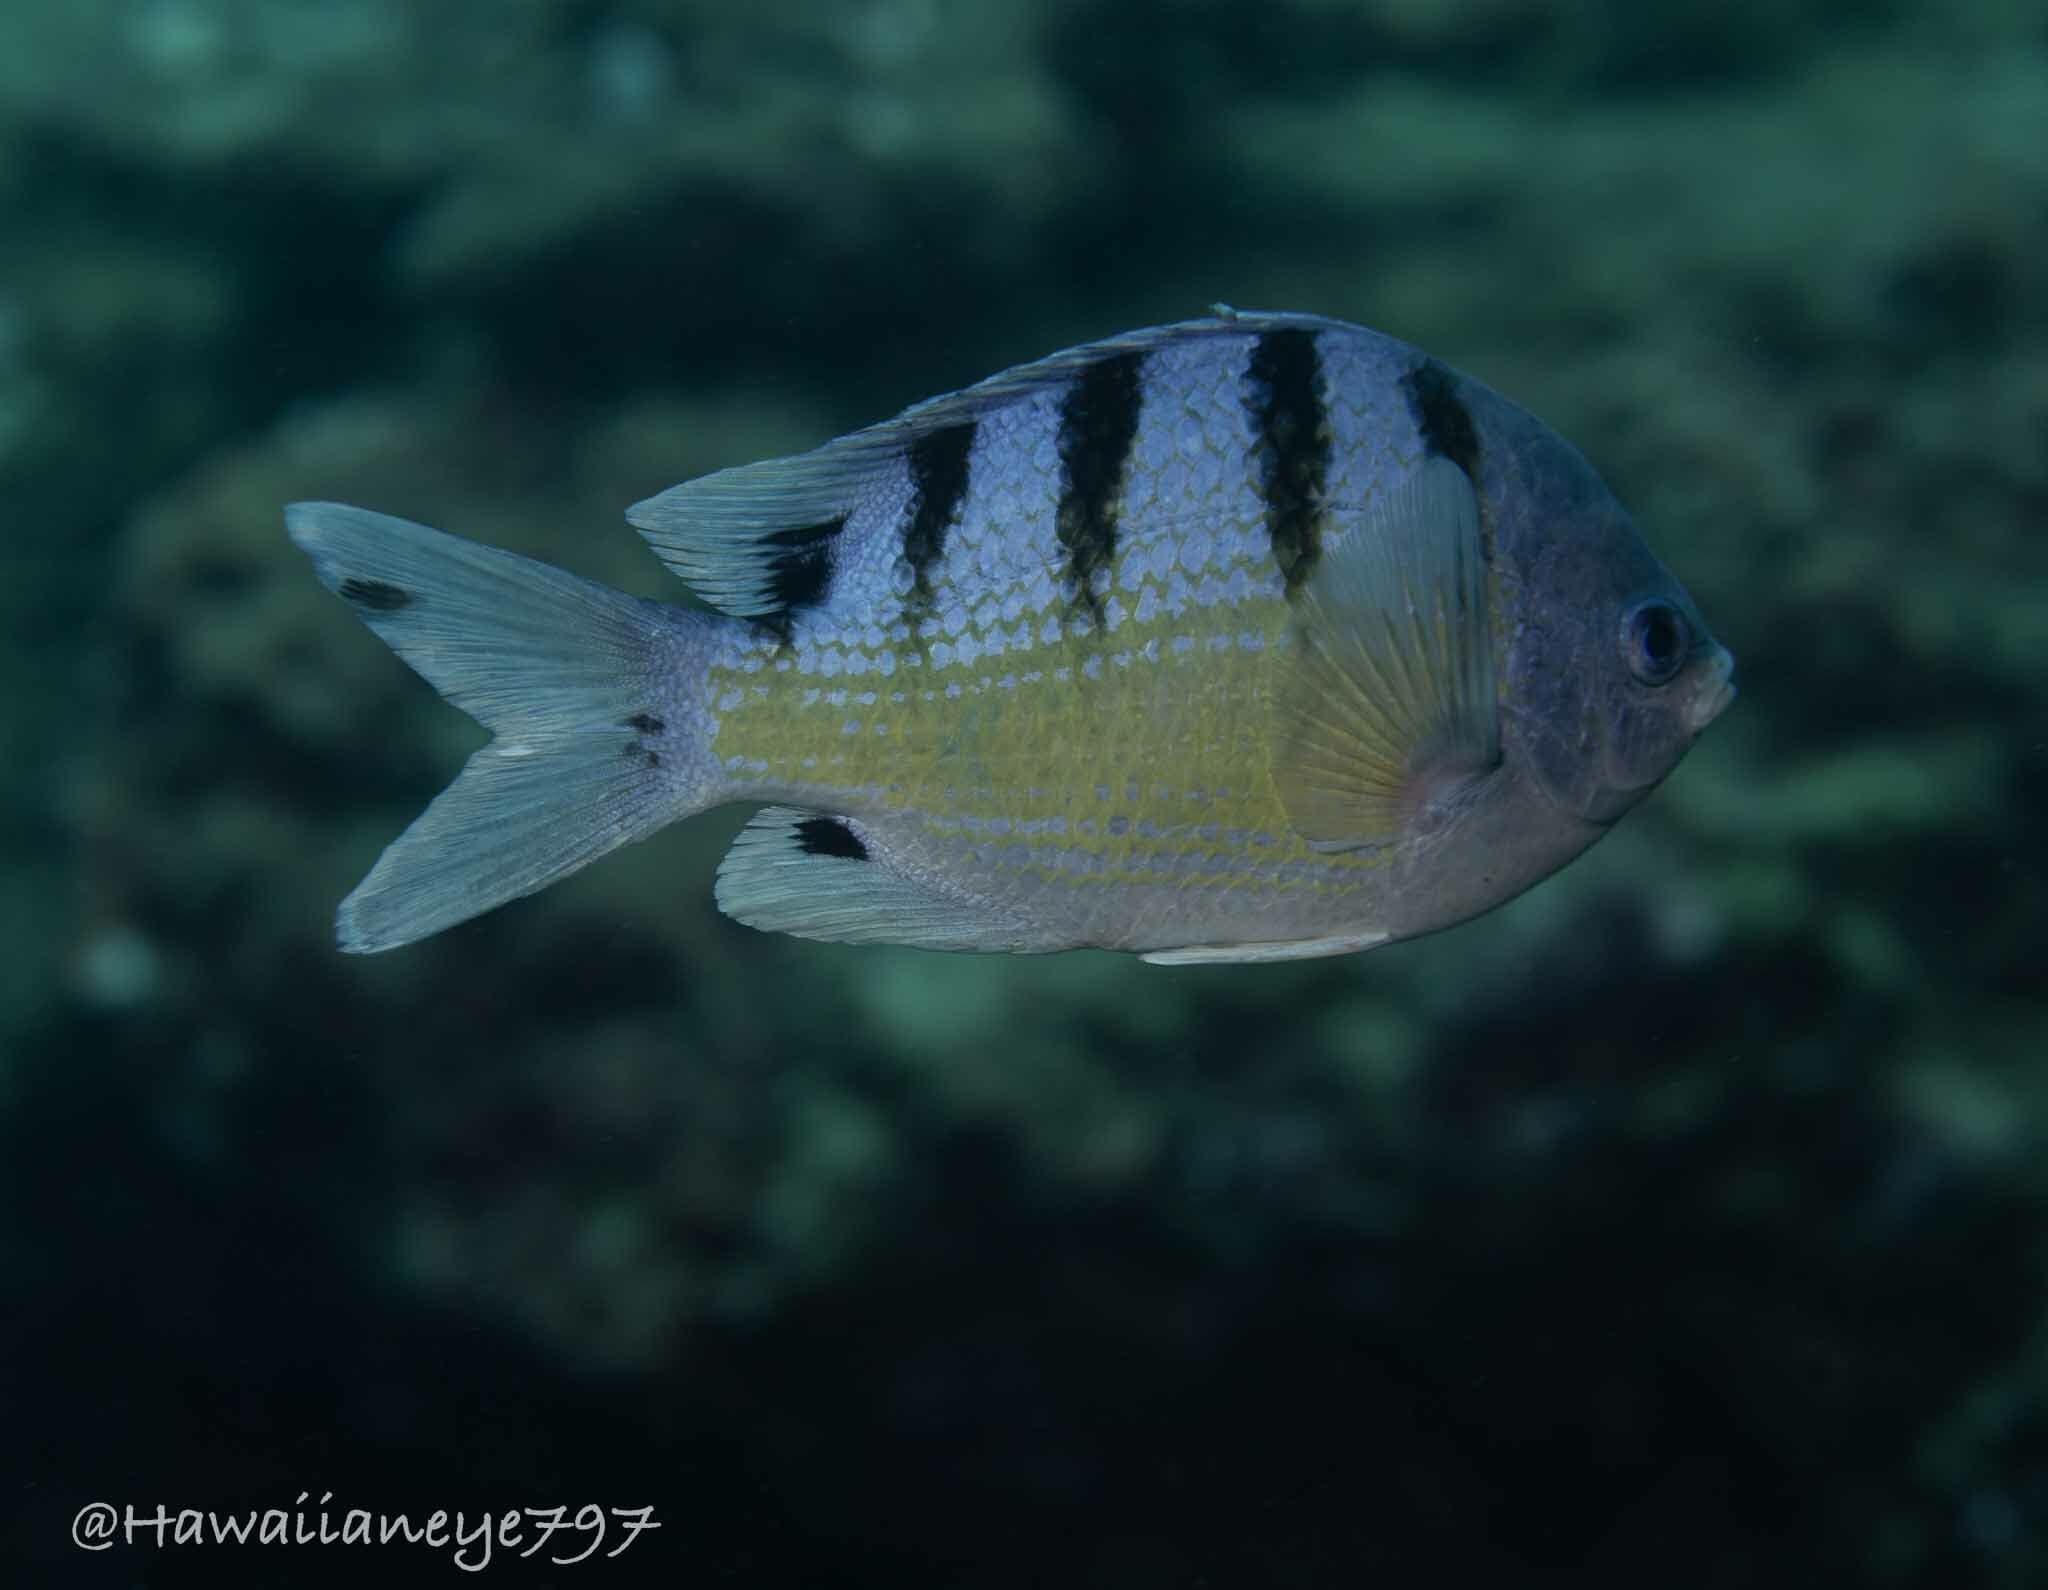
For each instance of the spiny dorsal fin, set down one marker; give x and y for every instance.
(1388, 710)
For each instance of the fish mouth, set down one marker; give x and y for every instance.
(1716, 689)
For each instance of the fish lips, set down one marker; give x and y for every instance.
(1714, 691)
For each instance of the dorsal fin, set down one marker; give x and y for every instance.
(1388, 712)
(755, 540)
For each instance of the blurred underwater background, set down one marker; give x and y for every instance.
(1683, 1223)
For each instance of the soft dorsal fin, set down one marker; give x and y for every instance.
(761, 538)
(757, 539)
(1388, 711)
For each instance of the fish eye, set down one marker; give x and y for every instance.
(1655, 640)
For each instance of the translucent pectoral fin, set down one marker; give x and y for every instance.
(1388, 708)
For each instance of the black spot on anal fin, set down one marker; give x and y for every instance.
(938, 482)
(830, 836)
(1442, 418)
(378, 596)
(1283, 395)
(1098, 428)
(646, 723)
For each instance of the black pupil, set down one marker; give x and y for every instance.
(1658, 628)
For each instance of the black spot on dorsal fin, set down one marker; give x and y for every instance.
(1441, 417)
(830, 836)
(799, 569)
(646, 723)
(938, 481)
(1098, 426)
(1283, 394)
(379, 596)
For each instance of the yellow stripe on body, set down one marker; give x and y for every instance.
(1078, 752)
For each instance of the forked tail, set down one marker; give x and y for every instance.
(577, 682)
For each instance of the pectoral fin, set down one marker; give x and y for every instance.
(1388, 711)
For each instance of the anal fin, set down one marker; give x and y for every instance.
(819, 876)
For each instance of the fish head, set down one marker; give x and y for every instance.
(1608, 672)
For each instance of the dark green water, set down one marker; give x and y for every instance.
(1679, 1225)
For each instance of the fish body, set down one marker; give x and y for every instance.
(1253, 637)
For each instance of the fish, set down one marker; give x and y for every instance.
(1249, 638)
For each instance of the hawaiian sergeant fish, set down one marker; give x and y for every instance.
(1251, 638)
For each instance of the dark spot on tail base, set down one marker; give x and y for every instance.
(378, 596)
(829, 836)
(643, 723)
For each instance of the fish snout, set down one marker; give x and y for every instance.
(1713, 692)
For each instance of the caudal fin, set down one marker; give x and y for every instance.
(586, 754)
